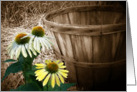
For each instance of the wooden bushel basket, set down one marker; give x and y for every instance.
(91, 40)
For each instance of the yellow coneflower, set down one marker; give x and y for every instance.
(51, 71)
(20, 45)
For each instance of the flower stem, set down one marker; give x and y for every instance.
(26, 67)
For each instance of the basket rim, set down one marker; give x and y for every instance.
(84, 28)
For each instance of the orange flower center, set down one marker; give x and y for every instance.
(38, 31)
(23, 40)
(52, 67)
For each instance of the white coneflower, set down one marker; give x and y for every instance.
(20, 45)
(39, 39)
(51, 71)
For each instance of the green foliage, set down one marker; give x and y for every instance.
(10, 60)
(13, 68)
(62, 87)
(31, 72)
(31, 83)
(28, 87)
(27, 67)
(49, 88)
(21, 64)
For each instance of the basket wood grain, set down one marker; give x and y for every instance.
(92, 42)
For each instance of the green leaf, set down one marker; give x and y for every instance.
(45, 88)
(30, 73)
(28, 59)
(13, 68)
(28, 87)
(34, 68)
(64, 87)
(27, 66)
(10, 60)
(49, 88)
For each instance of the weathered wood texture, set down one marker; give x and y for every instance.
(92, 41)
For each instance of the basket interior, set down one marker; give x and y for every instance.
(88, 15)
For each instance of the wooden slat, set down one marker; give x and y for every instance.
(69, 29)
(82, 76)
(83, 18)
(66, 19)
(88, 17)
(51, 33)
(61, 43)
(118, 70)
(72, 77)
(115, 41)
(77, 42)
(102, 48)
(68, 45)
(87, 48)
(91, 40)
(121, 50)
(72, 38)
(54, 40)
(108, 17)
(96, 49)
(85, 8)
(94, 3)
(74, 18)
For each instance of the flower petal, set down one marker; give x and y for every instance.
(66, 71)
(42, 76)
(61, 78)
(43, 65)
(31, 47)
(45, 44)
(46, 80)
(40, 67)
(48, 40)
(47, 61)
(12, 53)
(27, 48)
(39, 72)
(57, 80)
(18, 51)
(49, 45)
(24, 51)
(10, 46)
(13, 49)
(57, 61)
(43, 47)
(63, 74)
(53, 81)
(38, 44)
(35, 43)
(34, 52)
(62, 66)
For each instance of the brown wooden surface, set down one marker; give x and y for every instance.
(92, 41)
